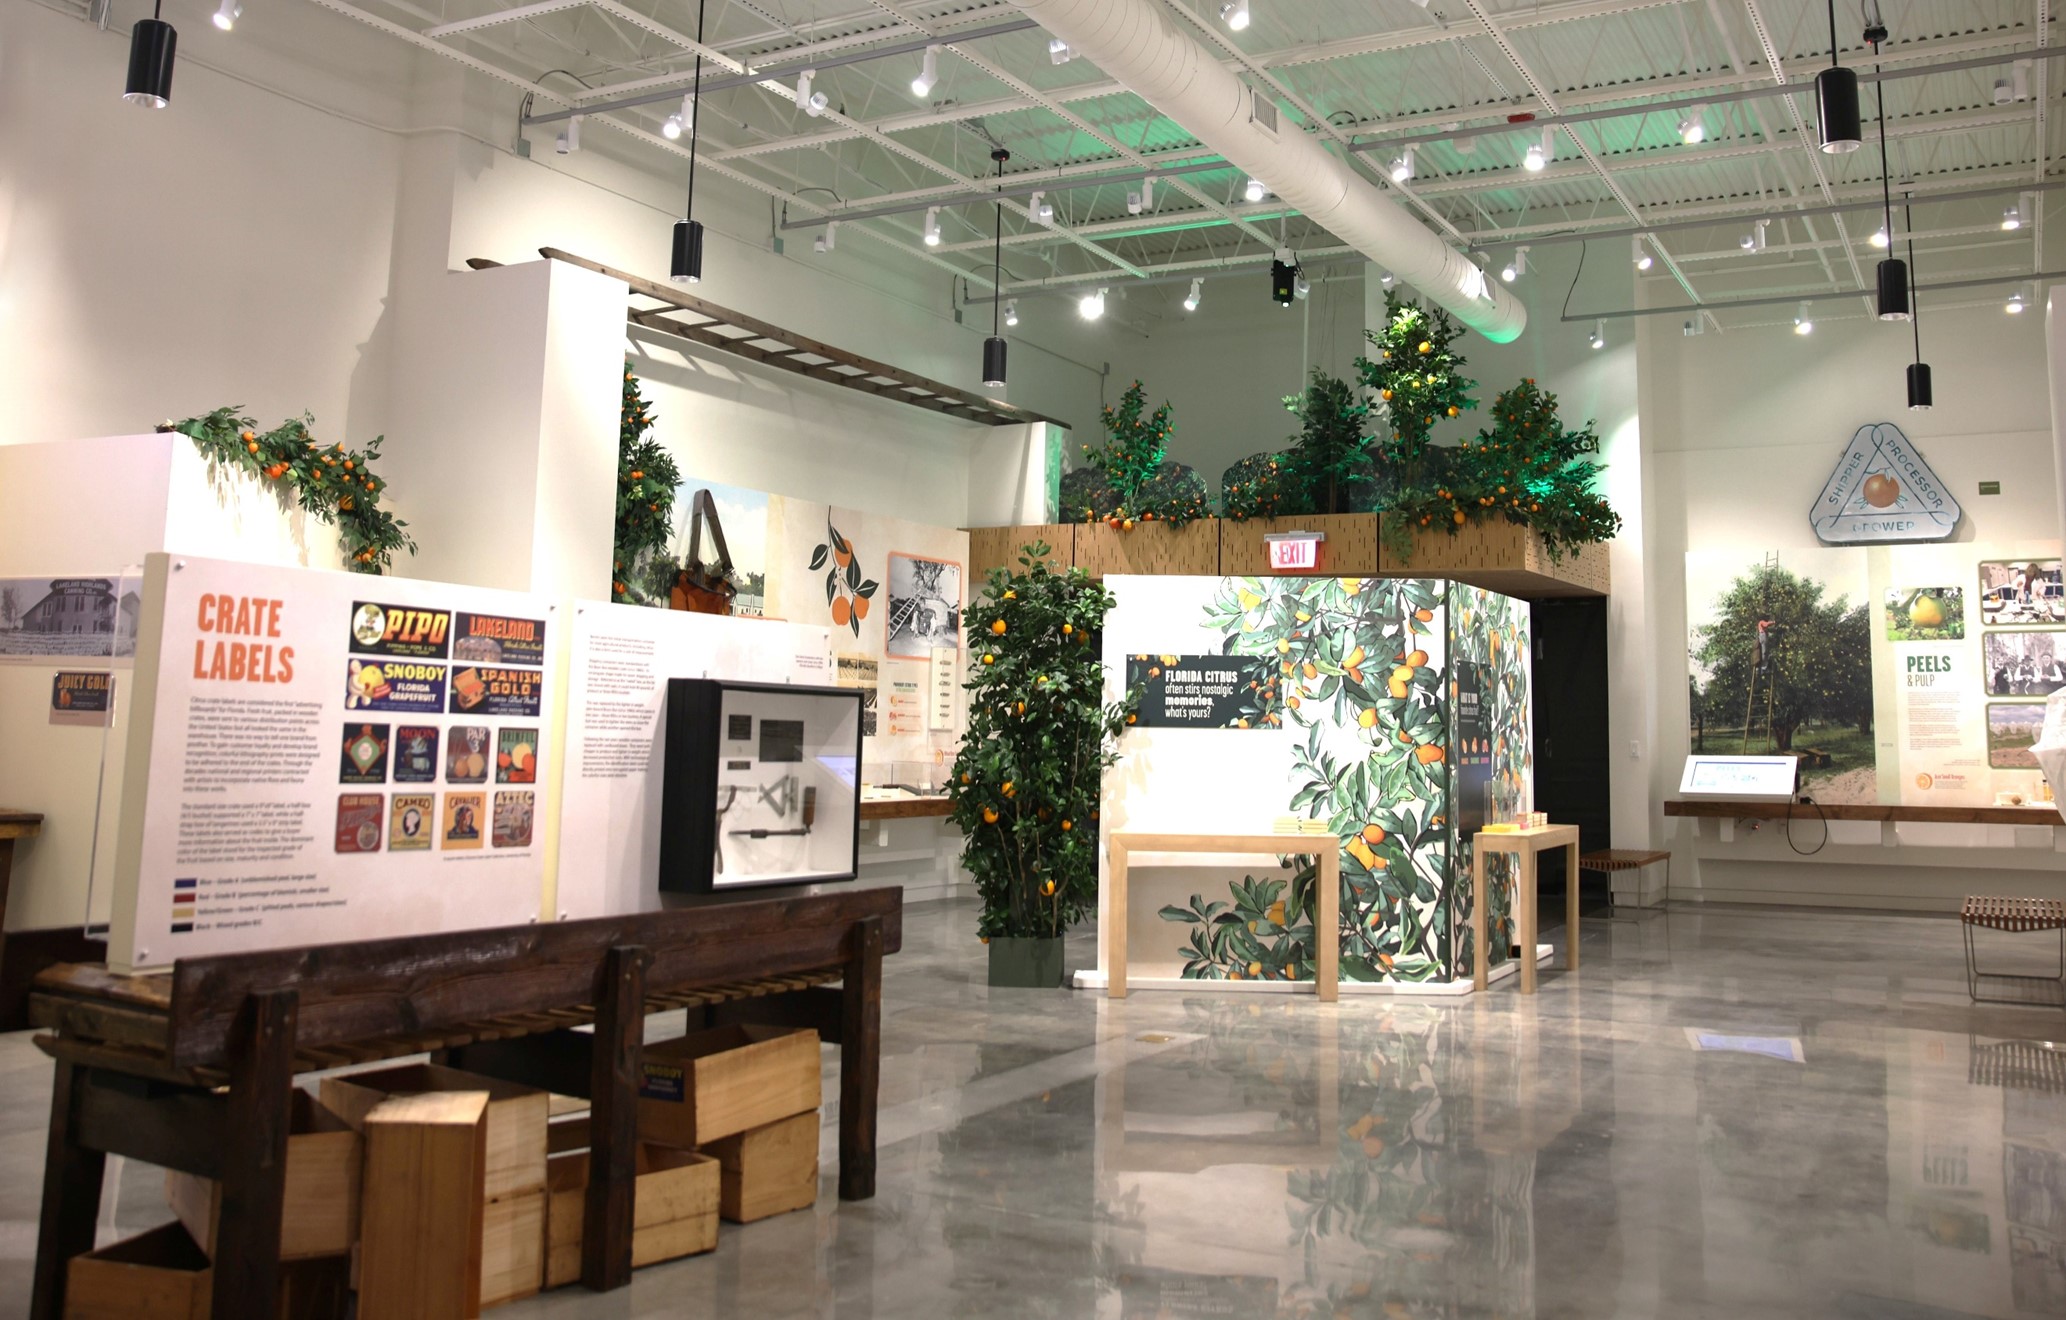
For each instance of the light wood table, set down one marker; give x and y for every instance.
(1325, 848)
(1525, 845)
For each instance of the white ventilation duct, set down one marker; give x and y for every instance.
(1137, 43)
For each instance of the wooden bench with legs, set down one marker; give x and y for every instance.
(192, 1070)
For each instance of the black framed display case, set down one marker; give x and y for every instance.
(762, 786)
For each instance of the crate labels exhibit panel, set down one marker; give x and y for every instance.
(1393, 713)
(321, 756)
(1911, 675)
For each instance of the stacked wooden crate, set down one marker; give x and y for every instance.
(439, 1193)
(748, 1097)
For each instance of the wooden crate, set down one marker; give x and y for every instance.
(1151, 547)
(164, 1273)
(516, 1116)
(420, 1252)
(1350, 549)
(321, 1216)
(512, 1247)
(769, 1170)
(1501, 556)
(710, 1084)
(674, 1209)
(160, 1275)
(1001, 547)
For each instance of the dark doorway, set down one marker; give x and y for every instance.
(1571, 733)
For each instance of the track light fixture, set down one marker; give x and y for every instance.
(1091, 305)
(1598, 338)
(1696, 326)
(151, 45)
(1148, 193)
(1255, 190)
(227, 14)
(681, 120)
(1058, 51)
(1387, 280)
(1040, 208)
(1300, 285)
(1235, 15)
(829, 239)
(2012, 218)
(1538, 154)
(1133, 201)
(1754, 241)
(1642, 254)
(928, 73)
(1881, 238)
(569, 140)
(932, 226)
(1693, 128)
(1011, 311)
(2016, 303)
(1516, 266)
(1836, 101)
(1803, 324)
(810, 102)
(1402, 167)
(686, 267)
(1196, 295)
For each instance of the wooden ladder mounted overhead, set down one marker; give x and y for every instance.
(770, 345)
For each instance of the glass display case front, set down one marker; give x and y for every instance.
(762, 786)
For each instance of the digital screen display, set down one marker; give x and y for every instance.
(1748, 775)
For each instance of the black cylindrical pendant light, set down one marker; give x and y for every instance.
(151, 43)
(687, 267)
(1919, 397)
(1836, 101)
(1836, 106)
(993, 347)
(1893, 289)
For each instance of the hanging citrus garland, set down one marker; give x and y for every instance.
(332, 483)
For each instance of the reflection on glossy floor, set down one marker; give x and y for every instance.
(1750, 1113)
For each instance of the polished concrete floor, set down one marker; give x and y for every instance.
(1737, 1113)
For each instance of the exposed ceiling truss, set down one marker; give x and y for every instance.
(1468, 85)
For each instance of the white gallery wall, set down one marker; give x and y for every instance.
(1740, 431)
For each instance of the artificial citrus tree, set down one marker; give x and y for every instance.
(1526, 468)
(1025, 786)
(647, 477)
(1416, 374)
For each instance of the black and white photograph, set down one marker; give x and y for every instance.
(925, 606)
(2025, 664)
(67, 616)
(2021, 591)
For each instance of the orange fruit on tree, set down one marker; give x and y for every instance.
(1368, 719)
(840, 610)
(860, 607)
(1010, 789)
(1373, 835)
(1067, 826)
(1424, 615)
(989, 815)
(997, 626)
(1427, 753)
(1416, 659)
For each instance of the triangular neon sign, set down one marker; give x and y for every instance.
(1883, 490)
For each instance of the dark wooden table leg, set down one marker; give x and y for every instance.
(254, 1158)
(620, 1028)
(71, 1200)
(860, 1060)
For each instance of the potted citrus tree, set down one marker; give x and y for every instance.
(1026, 783)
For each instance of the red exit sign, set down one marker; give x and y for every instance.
(1295, 552)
